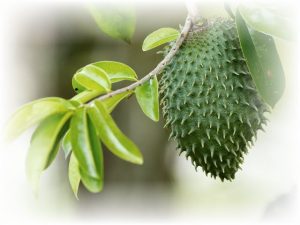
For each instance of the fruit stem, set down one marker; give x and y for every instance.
(157, 70)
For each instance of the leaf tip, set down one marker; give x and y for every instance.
(34, 179)
(156, 119)
(127, 40)
(139, 160)
(145, 48)
(76, 194)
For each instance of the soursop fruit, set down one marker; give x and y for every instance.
(209, 99)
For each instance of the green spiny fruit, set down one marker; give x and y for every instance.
(210, 101)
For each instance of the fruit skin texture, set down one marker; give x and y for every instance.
(209, 99)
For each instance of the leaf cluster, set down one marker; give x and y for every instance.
(80, 129)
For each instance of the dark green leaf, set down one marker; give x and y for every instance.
(66, 144)
(267, 21)
(44, 145)
(147, 97)
(116, 20)
(74, 174)
(160, 37)
(263, 62)
(91, 78)
(111, 103)
(111, 135)
(87, 149)
(34, 112)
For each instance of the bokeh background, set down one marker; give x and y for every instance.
(43, 44)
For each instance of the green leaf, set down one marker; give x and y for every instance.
(66, 144)
(159, 37)
(147, 97)
(117, 71)
(91, 78)
(263, 62)
(116, 20)
(86, 96)
(34, 112)
(87, 149)
(267, 21)
(44, 146)
(112, 102)
(111, 135)
(74, 174)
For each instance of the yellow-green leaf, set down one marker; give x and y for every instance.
(160, 37)
(147, 97)
(86, 96)
(112, 136)
(117, 71)
(66, 144)
(115, 19)
(74, 174)
(34, 112)
(112, 102)
(87, 149)
(91, 78)
(44, 145)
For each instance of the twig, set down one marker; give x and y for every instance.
(157, 70)
(193, 10)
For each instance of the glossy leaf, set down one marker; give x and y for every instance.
(86, 96)
(147, 97)
(87, 149)
(34, 112)
(111, 103)
(117, 71)
(44, 145)
(74, 174)
(267, 21)
(91, 78)
(66, 144)
(160, 37)
(263, 62)
(116, 20)
(111, 135)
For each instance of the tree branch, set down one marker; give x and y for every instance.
(193, 10)
(157, 70)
